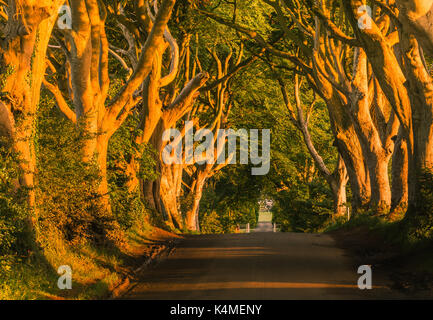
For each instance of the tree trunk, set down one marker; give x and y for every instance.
(24, 146)
(358, 173)
(346, 139)
(337, 180)
(88, 59)
(192, 213)
(392, 81)
(102, 152)
(380, 186)
(417, 15)
(22, 63)
(399, 176)
(420, 85)
(376, 152)
(349, 147)
(338, 187)
(170, 191)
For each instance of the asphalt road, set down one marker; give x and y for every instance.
(258, 265)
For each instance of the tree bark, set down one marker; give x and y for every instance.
(88, 58)
(338, 179)
(399, 176)
(387, 70)
(192, 213)
(420, 85)
(338, 188)
(377, 148)
(348, 145)
(22, 50)
(101, 159)
(417, 15)
(171, 178)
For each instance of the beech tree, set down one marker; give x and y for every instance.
(314, 65)
(26, 30)
(374, 122)
(300, 117)
(164, 193)
(86, 48)
(219, 101)
(161, 111)
(406, 83)
(417, 16)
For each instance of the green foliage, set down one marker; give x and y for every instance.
(21, 264)
(419, 219)
(210, 222)
(67, 191)
(305, 212)
(14, 233)
(229, 200)
(122, 149)
(128, 206)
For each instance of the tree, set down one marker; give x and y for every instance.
(417, 16)
(88, 59)
(336, 180)
(317, 68)
(26, 34)
(407, 85)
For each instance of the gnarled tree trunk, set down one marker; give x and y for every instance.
(22, 62)
(399, 176)
(88, 58)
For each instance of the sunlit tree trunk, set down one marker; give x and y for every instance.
(23, 48)
(417, 16)
(377, 147)
(408, 92)
(348, 144)
(169, 116)
(336, 180)
(88, 59)
(170, 188)
(399, 176)
(338, 188)
(421, 96)
(197, 192)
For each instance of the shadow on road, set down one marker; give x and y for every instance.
(259, 265)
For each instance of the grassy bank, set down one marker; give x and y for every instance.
(406, 263)
(96, 270)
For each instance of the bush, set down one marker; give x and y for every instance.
(224, 215)
(14, 231)
(210, 223)
(298, 210)
(128, 206)
(419, 218)
(67, 186)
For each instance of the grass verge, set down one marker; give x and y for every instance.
(404, 264)
(96, 270)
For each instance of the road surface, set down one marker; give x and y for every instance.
(258, 265)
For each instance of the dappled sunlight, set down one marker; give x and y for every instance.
(224, 149)
(229, 253)
(167, 286)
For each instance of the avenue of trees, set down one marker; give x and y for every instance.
(346, 87)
